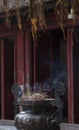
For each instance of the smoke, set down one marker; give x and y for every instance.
(58, 74)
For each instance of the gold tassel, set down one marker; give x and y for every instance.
(37, 17)
(18, 15)
(61, 14)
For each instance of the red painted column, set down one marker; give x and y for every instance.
(27, 57)
(70, 76)
(2, 79)
(15, 59)
(20, 58)
(34, 65)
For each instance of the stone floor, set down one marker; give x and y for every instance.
(7, 125)
(7, 128)
(67, 126)
(7, 122)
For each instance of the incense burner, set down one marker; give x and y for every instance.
(38, 111)
(36, 115)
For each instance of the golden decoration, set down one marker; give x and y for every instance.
(61, 11)
(37, 16)
(18, 15)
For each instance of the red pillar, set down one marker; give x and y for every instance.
(23, 58)
(15, 59)
(70, 76)
(27, 57)
(20, 58)
(34, 66)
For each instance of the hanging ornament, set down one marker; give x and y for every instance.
(37, 16)
(18, 15)
(61, 11)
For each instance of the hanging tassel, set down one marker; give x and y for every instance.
(18, 15)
